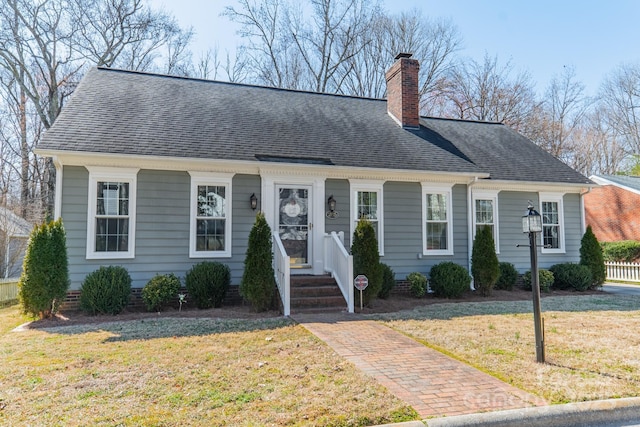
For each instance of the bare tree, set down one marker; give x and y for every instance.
(486, 91)
(620, 98)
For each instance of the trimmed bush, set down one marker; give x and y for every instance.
(105, 291)
(624, 251)
(545, 277)
(388, 281)
(258, 285)
(591, 257)
(571, 276)
(449, 280)
(207, 283)
(508, 276)
(417, 284)
(44, 280)
(366, 260)
(484, 262)
(160, 290)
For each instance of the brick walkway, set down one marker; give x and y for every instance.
(432, 383)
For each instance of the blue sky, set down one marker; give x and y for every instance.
(537, 36)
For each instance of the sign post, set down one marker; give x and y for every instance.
(361, 282)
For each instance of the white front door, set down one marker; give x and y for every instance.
(294, 223)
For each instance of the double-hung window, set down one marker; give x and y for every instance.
(367, 204)
(111, 213)
(210, 229)
(437, 228)
(551, 210)
(485, 213)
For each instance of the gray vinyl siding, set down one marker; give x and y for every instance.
(512, 206)
(403, 229)
(162, 225)
(339, 188)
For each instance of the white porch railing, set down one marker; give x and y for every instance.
(623, 271)
(339, 264)
(8, 289)
(282, 270)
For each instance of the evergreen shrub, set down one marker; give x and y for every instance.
(258, 285)
(207, 283)
(105, 291)
(44, 281)
(417, 284)
(484, 262)
(545, 277)
(508, 276)
(160, 290)
(366, 260)
(449, 280)
(388, 281)
(571, 276)
(591, 257)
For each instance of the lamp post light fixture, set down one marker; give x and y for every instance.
(253, 201)
(532, 224)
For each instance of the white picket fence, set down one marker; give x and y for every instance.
(8, 290)
(623, 271)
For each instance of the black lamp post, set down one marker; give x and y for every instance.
(532, 224)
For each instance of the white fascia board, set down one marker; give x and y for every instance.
(69, 158)
(604, 181)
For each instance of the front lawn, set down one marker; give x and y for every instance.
(170, 371)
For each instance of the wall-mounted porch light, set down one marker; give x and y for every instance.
(332, 203)
(253, 201)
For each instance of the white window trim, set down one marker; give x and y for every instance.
(206, 178)
(487, 195)
(356, 185)
(102, 174)
(558, 198)
(434, 188)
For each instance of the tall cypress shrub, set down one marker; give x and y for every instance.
(485, 267)
(366, 260)
(44, 280)
(258, 282)
(592, 257)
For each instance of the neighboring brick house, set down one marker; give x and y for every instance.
(613, 209)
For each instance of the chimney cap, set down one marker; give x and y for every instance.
(403, 55)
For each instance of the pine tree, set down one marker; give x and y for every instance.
(485, 267)
(258, 283)
(591, 256)
(366, 260)
(44, 281)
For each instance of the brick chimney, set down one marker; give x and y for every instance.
(403, 101)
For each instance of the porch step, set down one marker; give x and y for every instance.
(315, 294)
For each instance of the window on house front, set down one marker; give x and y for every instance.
(367, 204)
(552, 223)
(111, 213)
(437, 220)
(210, 234)
(485, 213)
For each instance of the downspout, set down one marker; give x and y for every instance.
(58, 190)
(470, 227)
(583, 220)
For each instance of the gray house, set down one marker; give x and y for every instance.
(157, 173)
(14, 237)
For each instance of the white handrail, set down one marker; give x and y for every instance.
(339, 264)
(281, 268)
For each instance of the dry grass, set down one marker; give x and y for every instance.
(183, 372)
(592, 343)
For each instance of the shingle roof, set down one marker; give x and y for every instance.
(123, 112)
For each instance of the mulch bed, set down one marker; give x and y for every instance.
(396, 302)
